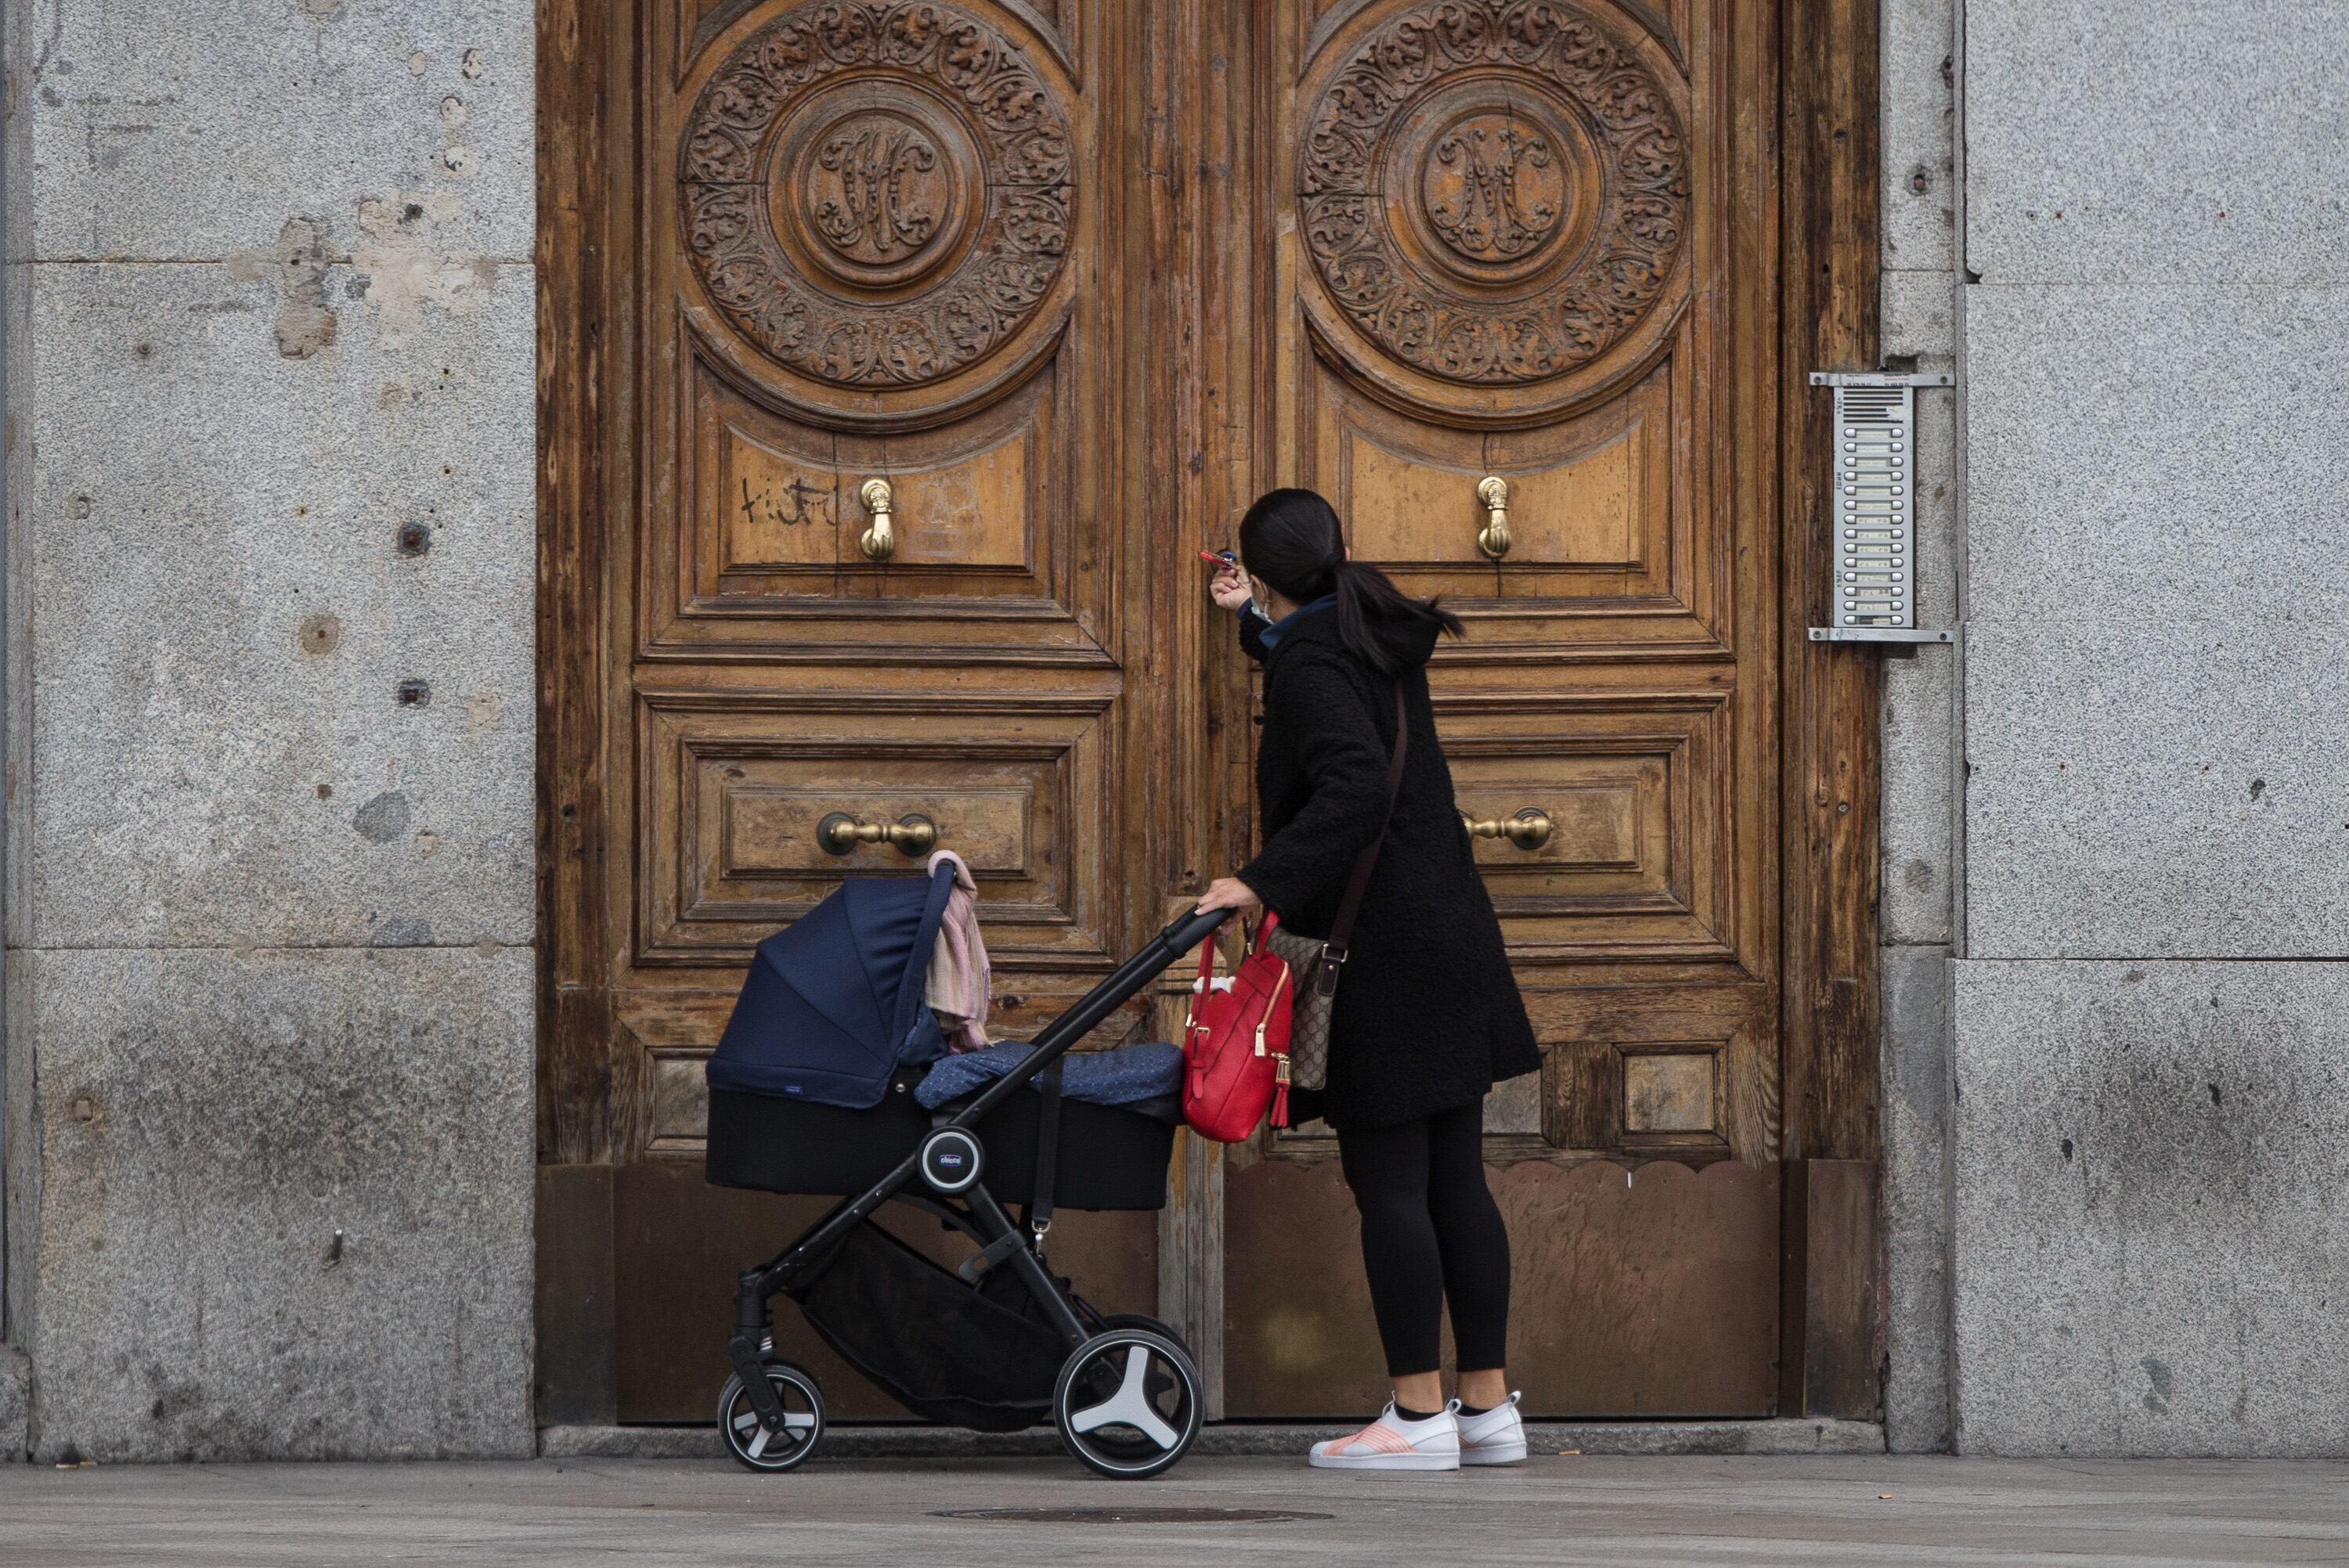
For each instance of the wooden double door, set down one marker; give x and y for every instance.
(926, 342)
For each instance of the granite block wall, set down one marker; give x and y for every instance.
(2152, 1195)
(2148, 1149)
(271, 726)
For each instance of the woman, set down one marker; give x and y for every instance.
(1427, 1015)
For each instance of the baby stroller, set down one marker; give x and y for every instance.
(812, 1091)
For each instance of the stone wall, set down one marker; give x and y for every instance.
(2150, 1167)
(271, 820)
(1916, 910)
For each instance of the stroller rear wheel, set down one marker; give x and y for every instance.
(751, 1443)
(1128, 1403)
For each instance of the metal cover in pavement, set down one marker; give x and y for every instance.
(1132, 1515)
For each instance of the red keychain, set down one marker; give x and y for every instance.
(1235, 1044)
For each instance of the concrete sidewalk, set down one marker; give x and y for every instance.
(1554, 1510)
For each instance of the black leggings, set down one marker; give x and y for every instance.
(1431, 1232)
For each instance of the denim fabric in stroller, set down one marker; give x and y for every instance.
(1146, 1078)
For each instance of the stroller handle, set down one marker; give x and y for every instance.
(1049, 1047)
(1189, 930)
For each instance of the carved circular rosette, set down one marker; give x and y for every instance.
(876, 196)
(1494, 192)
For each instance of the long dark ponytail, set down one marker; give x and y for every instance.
(1291, 538)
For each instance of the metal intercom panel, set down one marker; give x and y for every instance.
(1874, 508)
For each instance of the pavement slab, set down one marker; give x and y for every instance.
(1557, 1510)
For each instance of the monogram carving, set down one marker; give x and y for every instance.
(874, 212)
(1494, 190)
(876, 195)
(1489, 212)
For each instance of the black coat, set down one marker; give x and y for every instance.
(1427, 1015)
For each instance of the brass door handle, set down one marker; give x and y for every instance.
(1528, 829)
(911, 835)
(879, 541)
(1492, 495)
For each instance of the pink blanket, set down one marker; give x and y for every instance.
(957, 985)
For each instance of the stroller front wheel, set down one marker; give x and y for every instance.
(1128, 1403)
(750, 1443)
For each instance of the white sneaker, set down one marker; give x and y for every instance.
(1495, 1438)
(1392, 1443)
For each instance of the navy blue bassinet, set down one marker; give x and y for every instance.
(811, 1085)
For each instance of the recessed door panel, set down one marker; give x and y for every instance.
(1598, 832)
(1598, 533)
(970, 515)
(759, 806)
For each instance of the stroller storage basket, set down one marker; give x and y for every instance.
(1107, 1158)
(941, 1349)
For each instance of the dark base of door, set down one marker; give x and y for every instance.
(1832, 1352)
(636, 1287)
(1654, 1293)
(575, 1376)
(1670, 1289)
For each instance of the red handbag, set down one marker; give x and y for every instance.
(1235, 1044)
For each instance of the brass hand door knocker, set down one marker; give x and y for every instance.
(1492, 495)
(879, 541)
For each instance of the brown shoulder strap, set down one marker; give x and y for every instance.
(1341, 929)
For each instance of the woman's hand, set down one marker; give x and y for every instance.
(1230, 588)
(1228, 893)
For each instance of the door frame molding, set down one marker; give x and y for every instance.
(1829, 250)
(573, 268)
(1830, 265)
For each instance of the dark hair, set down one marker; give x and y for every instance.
(1292, 540)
